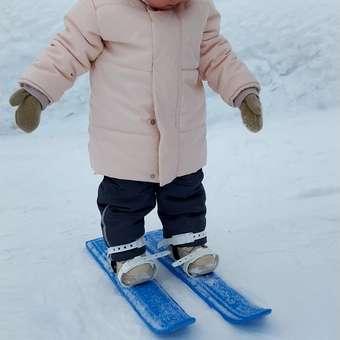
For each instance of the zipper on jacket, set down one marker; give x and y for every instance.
(148, 9)
(180, 75)
(179, 88)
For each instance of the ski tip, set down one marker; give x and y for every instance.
(267, 311)
(263, 312)
(177, 327)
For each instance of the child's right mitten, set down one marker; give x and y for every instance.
(251, 112)
(27, 116)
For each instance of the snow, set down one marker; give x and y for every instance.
(273, 198)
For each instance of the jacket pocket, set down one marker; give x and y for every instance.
(193, 104)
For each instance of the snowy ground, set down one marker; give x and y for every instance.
(273, 199)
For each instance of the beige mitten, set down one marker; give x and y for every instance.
(27, 116)
(251, 112)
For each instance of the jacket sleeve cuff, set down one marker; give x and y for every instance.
(243, 94)
(44, 101)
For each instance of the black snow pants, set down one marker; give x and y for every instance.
(123, 204)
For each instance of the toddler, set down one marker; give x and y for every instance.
(147, 129)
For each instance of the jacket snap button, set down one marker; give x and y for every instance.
(152, 121)
(152, 175)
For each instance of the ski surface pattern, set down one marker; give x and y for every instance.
(159, 311)
(232, 306)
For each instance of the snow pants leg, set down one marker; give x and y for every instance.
(123, 205)
(181, 206)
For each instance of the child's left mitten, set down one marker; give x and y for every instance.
(27, 116)
(251, 112)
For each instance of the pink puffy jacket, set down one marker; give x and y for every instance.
(147, 67)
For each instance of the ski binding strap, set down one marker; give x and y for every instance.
(186, 261)
(192, 257)
(181, 239)
(139, 260)
(139, 243)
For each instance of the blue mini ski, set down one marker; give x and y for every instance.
(233, 307)
(153, 304)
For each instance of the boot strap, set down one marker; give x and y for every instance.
(181, 239)
(139, 243)
(140, 260)
(192, 257)
(186, 261)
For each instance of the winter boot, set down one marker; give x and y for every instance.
(195, 260)
(137, 270)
